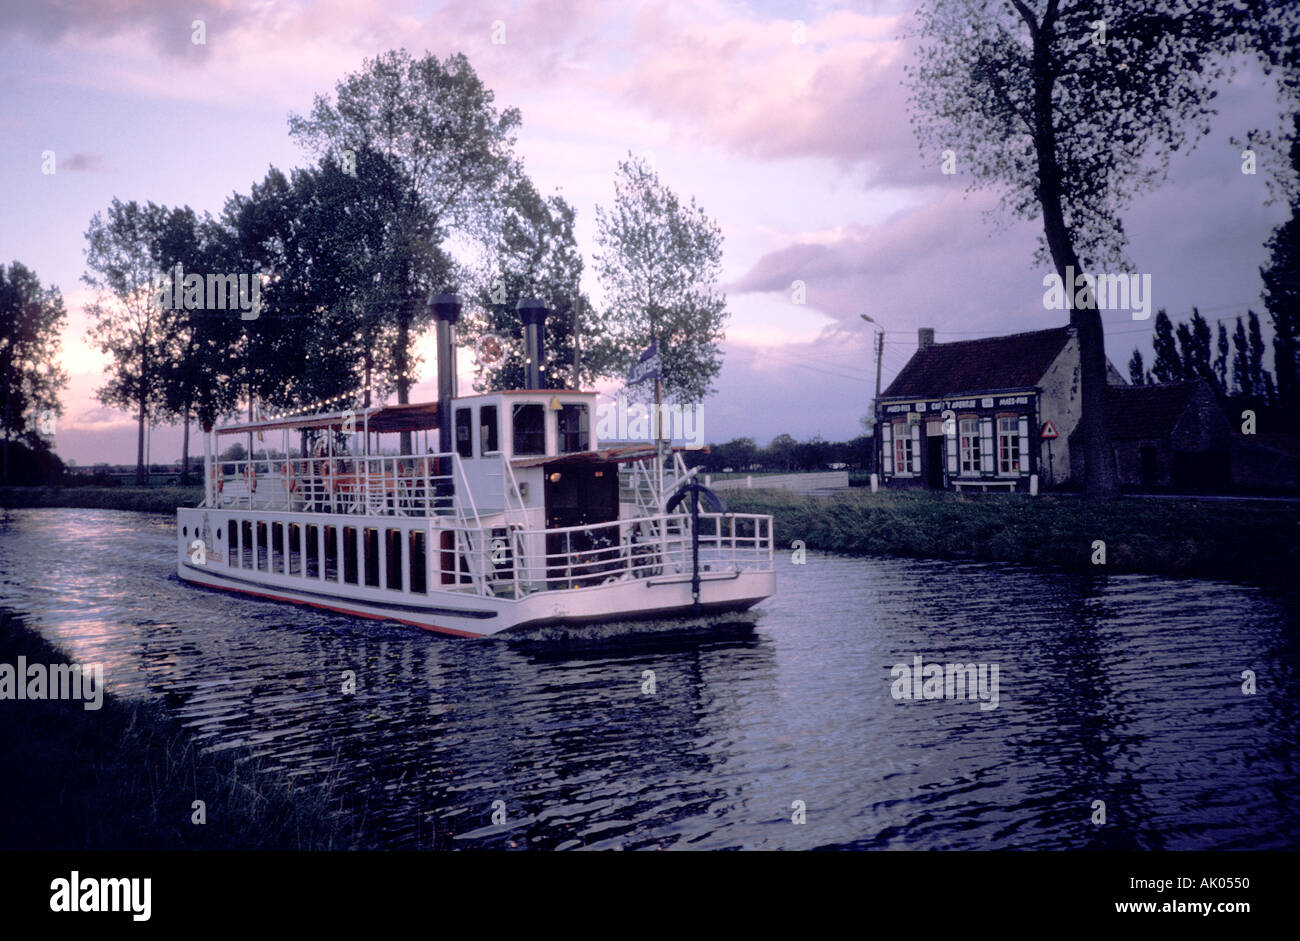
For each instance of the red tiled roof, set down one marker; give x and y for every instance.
(1012, 362)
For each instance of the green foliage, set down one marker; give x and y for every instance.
(659, 266)
(31, 320)
(1282, 296)
(1005, 83)
(535, 255)
(1250, 542)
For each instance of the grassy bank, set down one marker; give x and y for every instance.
(149, 499)
(125, 776)
(1250, 542)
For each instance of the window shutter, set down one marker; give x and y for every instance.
(1024, 444)
(986, 445)
(887, 447)
(952, 448)
(916, 448)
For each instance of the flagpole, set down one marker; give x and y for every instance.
(659, 434)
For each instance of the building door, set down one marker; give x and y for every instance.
(934, 461)
(1150, 465)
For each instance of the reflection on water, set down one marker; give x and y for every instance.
(1125, 689)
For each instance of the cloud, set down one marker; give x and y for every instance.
(749, 86)
(81, 162)
(102, 416)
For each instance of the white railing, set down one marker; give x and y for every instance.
(399, 485)
(642, 547)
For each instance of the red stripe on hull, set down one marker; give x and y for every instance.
(356, 614)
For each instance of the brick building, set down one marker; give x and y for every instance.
(971, 414)
(1168, 436)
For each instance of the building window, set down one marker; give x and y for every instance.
(464, 443)
(905, 457)
(970, 447)
(574, 429)
(487, 430)
(530, 429)
(1008, 446)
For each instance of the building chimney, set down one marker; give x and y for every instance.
(446, 312)
(924, 338)
(532, 313)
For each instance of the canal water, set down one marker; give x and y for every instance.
(1122, 689)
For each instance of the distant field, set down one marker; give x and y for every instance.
(1250, 542)
(150, 499)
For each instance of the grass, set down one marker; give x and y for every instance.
(124, 777)
(148, 499)
(1257, 543)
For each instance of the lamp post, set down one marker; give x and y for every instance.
(880, 353)
(880, 348)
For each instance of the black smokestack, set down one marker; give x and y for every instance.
(446, 312)
(532, 313)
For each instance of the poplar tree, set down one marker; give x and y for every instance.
(659, 264)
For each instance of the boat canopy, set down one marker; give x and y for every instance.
(622, 455)
(384, 419)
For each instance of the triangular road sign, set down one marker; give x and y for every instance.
(1049, 431)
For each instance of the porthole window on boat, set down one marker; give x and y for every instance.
(185, 531)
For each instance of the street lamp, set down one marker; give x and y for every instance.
(880, 348)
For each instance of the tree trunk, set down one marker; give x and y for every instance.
(185, 450)
(139, 440)
(4, 470)
(401, 362)
(1100, 480)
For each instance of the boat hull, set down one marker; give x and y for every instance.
(447, 612)
(466, 613)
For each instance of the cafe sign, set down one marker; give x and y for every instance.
(912, 409)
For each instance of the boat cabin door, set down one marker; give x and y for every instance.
(578, 495)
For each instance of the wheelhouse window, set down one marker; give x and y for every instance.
(464, 443)
(575, 433)
(1008, 446)
(969, 441)
(487, 430)
(530, 429)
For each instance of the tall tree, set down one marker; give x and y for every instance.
(199, 345)
(1167, 366)
(1261, 380)
(535, 255)
(1282, 297)
(1221, 363)
(1194, 349)
(1242, 383)
(1072, 108)
(436, 121)
(31, 320)
(1136, 369)
(660, 263)
(126, 323)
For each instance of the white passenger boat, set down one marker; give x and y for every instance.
(513, 517)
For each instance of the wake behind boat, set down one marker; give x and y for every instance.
(519, 519)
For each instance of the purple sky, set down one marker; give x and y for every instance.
(801, 151)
